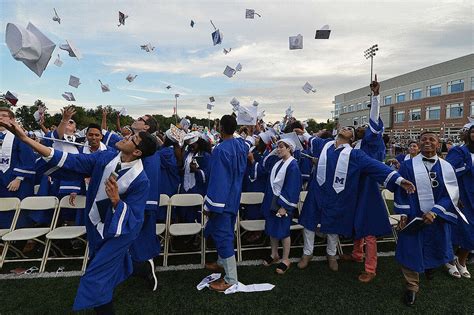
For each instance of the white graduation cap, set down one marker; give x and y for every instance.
(37, 116)
(323, 33)
(266, 136)
(469, 124)
(293, 137)
(29, 46)
(217, 35)
(247, 115)
(185, 124)
(308, 88)
(122, 17)
(250, 14)
(209, 106)
(289, 112)
(192, 23)
(238, 67)
(130, 77)
(69, 96)
(235, 104)
(74, 81)
(260, 115)
(56, 17)
(212, 99)
(104, 87)
(168, 87)
(58, 62)
(11, 97)
(226, 51)
(123, 111)
(147, 47)
(71, 49)
(176, 134)
(296, 42)
(229, 72)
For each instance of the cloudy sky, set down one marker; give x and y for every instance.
(411, 35)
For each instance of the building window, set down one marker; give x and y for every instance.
(366, 104)
(351, 108)
(472, 83)
(415, 114)
(359, 106)
(399, 117)
(454, 110)
(356, 121)
(456, 86)
(400, 97)
(363, 119)
(433, 112)
(472, 109)
(387, 100)
(415, 94)
(433, 90)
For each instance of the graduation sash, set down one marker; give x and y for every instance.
(358, 143)
(277, 179)
(6, 151)
(123, 183)
(424, 189)
(340, 176)
(87, 150)
(189, 179)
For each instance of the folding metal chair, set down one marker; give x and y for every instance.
(67, 233)
(161, 227)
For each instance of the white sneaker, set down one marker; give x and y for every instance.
(462, 269)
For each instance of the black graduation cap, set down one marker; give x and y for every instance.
(192, 23)
(122, 17)
(11, 98)
(168, 87)
(212, 99)
(323, 33)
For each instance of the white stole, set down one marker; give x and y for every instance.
(189, 179)
(277, 179)
(342, 166)
(407, 157)
(424, 189)
(87, 149)
(123, 183)
(358, 144)
(6, 151)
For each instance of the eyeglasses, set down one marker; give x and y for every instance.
(434, 182)
(133, 141)
(70, 121)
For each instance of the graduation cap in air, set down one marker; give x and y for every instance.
(229, 72)
(71, 49)
(235, 104)
(323, 33)
(212, 99)
(238, 67)
(217, 35)
(296, 42)
(29, 46)
(226, 51)
(74, 81)
(104, 87)
(11, 98)
(250, 14)
(56, 17)
(130, 77)
(289, 112)
(192, 23)
(69, 96)
(247, 115)
(209, 106)
(168, 87)
(123, 111)
(122, 17)
(147, 47)
(308, 88)
(255, 103)
(58, 62)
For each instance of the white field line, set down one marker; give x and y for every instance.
(68, 274)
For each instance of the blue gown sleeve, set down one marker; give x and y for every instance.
(68, 166)
(130, 210)
(25, 167)
(456, 158)
(110, 138)
(377, 170)
(401, 200)
(219, 186)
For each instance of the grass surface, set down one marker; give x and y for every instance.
(310, 291)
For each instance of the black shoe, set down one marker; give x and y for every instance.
(429, 274)
(410, 297)
(151, 276)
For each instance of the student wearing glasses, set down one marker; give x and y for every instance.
(115, 208)
(435, 201)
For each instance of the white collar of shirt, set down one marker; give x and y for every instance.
(341, 146)
(125, 165)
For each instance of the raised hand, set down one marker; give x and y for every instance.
(408, 186)
(375, 86)
(12, 126)
(68, 112)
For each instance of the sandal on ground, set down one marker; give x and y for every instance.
(462, 269)
(282, 268)
(453, 271)
(270, 261)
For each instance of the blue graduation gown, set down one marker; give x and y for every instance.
(255, 180)
(169, 177)
(227, 168)
(336, 211)
(147, 245)
(280, 227)
(461, 160)
(22, 164)
(371, 214)
(431, 246)
(110, 261)
(193, 214)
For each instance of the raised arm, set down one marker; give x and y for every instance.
(67, 112)
(14, 128)
(119, 128)
(103, 124)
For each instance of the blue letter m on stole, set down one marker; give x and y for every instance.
(339, 180)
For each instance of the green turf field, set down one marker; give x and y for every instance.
(311, 291)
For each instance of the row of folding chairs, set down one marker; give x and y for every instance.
(43, 235)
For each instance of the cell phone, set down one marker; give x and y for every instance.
(113, 175)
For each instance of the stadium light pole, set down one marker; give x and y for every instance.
(176, 108)
(370, 53)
